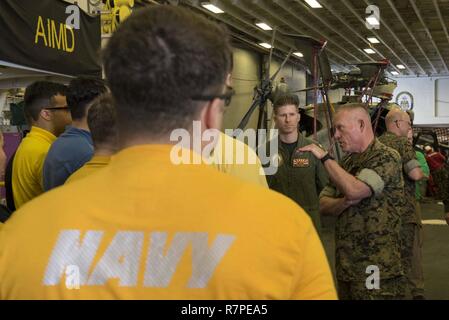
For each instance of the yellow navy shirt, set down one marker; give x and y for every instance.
(145, 228)
(245, 166)
(27, 178)
(96, 163)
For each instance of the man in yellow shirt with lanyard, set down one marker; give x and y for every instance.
(147, 226)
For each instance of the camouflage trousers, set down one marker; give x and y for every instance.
(389, 289)
(441, 179)
(411, 254)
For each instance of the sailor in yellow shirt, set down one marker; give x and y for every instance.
(47, 112)
(147, 226)
(101, 120)
(250, 169)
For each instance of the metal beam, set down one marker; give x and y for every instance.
(351, 8)
(247, 10)
(282, 4)
(382, 21)
(256, 47)
(411, 35)
(333, 29)
(301, 31)
(259, 34)
(285, 48)
(418, 13)
(335, 14)
(437, 8)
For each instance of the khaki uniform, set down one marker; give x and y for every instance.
(411, 216)
(301, 177)
(367, 233)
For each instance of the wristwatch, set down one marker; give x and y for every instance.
(326, 157)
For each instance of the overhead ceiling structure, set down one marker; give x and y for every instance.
(412, 34)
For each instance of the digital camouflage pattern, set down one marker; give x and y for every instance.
(409, 161)
(411, 237)
(389, 289)
(367, 233)
(441, 180)
(411, 218)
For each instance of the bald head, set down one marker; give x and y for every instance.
(353, 129)
(398, 122)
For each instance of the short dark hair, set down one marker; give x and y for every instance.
(286, 99)
(38, 96)
(102, 120)
(160, 58)
(80, 94)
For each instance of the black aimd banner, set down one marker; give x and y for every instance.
(50, 35)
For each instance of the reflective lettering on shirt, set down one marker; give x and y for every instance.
(121, 260)
(122, 257)
(69, 251)
(205, 259)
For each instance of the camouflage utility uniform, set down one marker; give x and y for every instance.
(367, 234)
(411, 228)
(440, 175)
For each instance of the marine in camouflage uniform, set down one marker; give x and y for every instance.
(367, 233)
(440, 175)
(411, 227)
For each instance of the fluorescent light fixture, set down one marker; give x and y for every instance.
(395, 73)
(373, 40)
(298, 54)
(209, 6)
(263, 26)
(369, 51)
(313, 3)
(400, 66)
(265, 45)
(372, 21)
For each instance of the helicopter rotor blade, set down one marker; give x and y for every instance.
(273, 77)
(267, 71)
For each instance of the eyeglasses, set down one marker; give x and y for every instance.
(57, 108)
(227, 96)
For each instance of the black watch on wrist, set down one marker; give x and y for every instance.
(326, 157)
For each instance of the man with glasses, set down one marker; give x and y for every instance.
(47, 113)
(146, 227)
(398, 125)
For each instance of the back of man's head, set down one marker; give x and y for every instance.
(80, 94)
(157, 61)
(396, 121)
(39, 95)
(102, 121)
